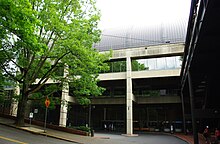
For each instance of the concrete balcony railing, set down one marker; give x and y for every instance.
(138, 99)
(158, 99)
(140, 74)
(150, 51)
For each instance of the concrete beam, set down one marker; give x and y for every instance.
(112, 76)
(149, 51)
(139, 100)
(155, 73)
(158, 100)
(109, 101)
(140, 74)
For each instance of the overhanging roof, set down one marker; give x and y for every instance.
(143, 35)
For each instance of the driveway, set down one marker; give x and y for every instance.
(143, 138)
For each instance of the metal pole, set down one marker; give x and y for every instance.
(147, 117)
(104, 117)
(195, 134)
(45, 121)
(183, 110)
(90, 115)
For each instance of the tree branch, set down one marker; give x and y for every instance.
(38, 68)
(16, 64)
(50, 37)
(54, 90)
(29, 66)
(52, 68)
(11, 75)
(46, 76)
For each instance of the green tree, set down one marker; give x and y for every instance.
(2, 95)
(117, 66)
(120, 66)
(136, 66)
(37, 37)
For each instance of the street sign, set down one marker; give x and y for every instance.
(31, 115)
(47, 102)
(35, 110)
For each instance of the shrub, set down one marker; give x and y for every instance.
(82, 128)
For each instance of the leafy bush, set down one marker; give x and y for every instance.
(82, 128)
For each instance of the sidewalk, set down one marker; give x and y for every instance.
(57, 134)
(189, 138)
(97, 139)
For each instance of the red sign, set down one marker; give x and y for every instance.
(47, 102)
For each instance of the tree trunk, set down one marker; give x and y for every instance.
(21, 107)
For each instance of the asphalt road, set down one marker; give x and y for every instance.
(10, 135)
(144, 138)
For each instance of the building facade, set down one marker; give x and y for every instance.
(142, 85)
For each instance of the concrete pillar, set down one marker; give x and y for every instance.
(192, 104)
(183, 111)
(14, 104)
(63, 108)
(64, 102)
(129, 98)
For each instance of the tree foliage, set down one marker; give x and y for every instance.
(2, 95)
(136, 66)
(38, 37)
(120, 66)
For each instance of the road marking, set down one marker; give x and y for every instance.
(12, 140)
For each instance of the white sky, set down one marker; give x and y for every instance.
(116, 13)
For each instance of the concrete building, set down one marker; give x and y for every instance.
(142, 86)
(148, 87)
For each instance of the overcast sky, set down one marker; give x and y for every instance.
(116, 13)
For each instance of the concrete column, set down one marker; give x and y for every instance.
(14, 104)
(183, 110)
(129, 98)
(64, 102)
(192, 104)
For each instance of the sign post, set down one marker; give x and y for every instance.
(47, 103)
(31, 115)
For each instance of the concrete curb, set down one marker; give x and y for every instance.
(182, 139)
(44, 134)
(101, 137)
(60, 138)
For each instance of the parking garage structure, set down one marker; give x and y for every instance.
(142, 86)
